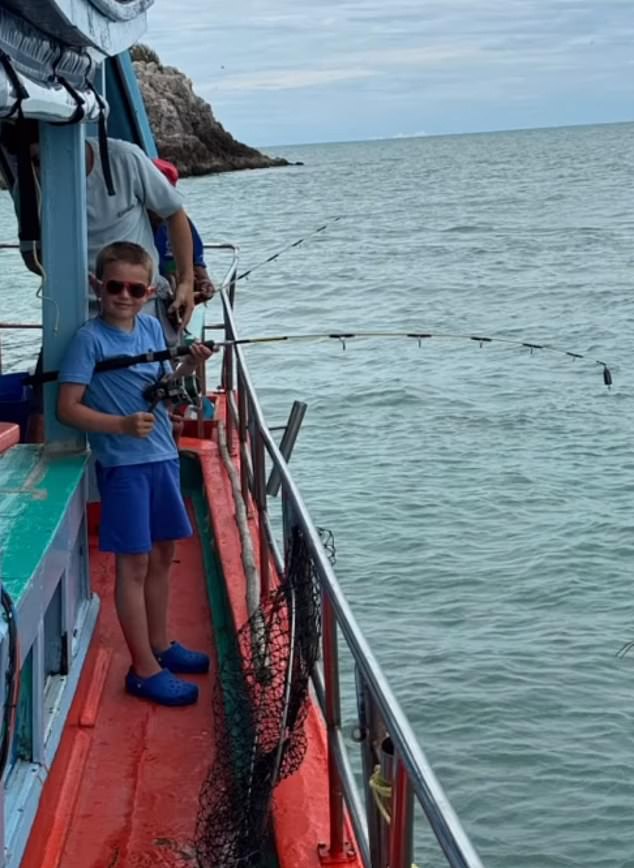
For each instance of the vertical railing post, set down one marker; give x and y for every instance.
(232, 292)
(243, 428)
(227, 382)
(401, 845)
(371, 733)
(386, 767)
(259, 474)
(201, 373)
(333, 722)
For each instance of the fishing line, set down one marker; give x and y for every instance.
(249, 271)
(343, 337)
(290, 246)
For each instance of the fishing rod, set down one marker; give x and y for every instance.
(249, 271)
(290, 246)
(343, 337)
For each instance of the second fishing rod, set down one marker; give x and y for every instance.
(176, 352)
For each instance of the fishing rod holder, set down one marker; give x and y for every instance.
(287, 444)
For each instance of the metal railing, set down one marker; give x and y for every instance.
(388, 745)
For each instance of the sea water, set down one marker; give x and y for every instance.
(481, 497)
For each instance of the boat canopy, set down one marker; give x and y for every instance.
(50, 51)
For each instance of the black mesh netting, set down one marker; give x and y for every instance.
(260, 704)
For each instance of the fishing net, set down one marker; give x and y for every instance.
(260, 705)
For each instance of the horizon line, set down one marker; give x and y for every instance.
(398, 136)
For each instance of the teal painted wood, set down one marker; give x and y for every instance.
(23, 788)
(65, 291)
(128, 118)
(36, 488)
(44, 568)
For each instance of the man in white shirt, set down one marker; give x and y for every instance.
(139, 187)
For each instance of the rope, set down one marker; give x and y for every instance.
(248, 557)
(36, 259)
(258, 634)
(382, 793)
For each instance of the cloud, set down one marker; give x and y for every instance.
(291, 79)
(366, 68)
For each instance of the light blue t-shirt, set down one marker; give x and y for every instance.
(120, 392)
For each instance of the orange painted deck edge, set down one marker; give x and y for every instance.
(68, 795)
(300, 804)
(90, 711)
(9, 435)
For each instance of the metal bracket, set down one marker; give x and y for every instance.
(347, 855)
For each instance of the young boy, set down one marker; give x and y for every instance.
(142, 510)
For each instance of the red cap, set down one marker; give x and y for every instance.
(168, 169)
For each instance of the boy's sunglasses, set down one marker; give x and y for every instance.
(135, 288)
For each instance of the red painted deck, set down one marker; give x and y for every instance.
(123, 790)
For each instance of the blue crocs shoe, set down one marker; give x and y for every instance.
(182, 660)
(161, 688)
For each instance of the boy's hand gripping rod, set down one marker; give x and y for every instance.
(117, 362)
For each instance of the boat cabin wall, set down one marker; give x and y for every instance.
(50, 606)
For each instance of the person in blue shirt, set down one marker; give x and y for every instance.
(203, 285)
(142, 510)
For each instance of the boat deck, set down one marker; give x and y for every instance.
(123, 790)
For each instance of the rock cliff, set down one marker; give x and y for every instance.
(184, 126)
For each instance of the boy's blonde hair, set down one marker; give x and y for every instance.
(124, 251)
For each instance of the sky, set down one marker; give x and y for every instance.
(280, 72)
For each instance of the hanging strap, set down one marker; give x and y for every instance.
(21, 93)
(103, 142)
(29, 218)
(80, 102)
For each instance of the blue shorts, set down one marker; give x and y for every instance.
(141, 504)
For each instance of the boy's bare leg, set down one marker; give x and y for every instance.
(132, 572)
(157, 592)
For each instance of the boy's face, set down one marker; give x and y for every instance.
(123, 290)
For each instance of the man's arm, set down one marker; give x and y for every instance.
(71, 411)
(198, 353)
(157, 195)
(182, 248)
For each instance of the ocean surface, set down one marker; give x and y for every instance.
(481, 497)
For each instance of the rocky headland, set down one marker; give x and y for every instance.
(184, 126)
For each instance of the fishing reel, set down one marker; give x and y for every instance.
(184, 390)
